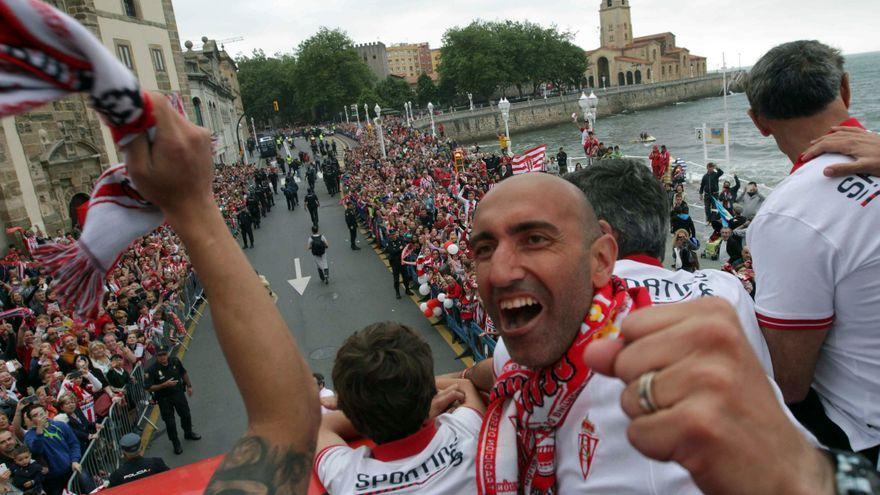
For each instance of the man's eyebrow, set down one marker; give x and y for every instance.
(533, 225)
(482, 236)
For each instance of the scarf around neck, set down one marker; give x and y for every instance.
(517, 444)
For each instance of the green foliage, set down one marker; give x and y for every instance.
(487, 58)
(426, 91)
(323, 76)
(393, 93)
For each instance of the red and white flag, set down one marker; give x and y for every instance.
(530, 161)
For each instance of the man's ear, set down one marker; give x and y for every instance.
(603, 254)
(763, 128)
(845, 93)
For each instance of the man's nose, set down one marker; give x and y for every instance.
(507, 266)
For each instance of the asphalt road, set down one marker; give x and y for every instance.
(360, 293)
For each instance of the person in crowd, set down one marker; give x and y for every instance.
(351, 221)
(729, 193)
(386, 370)
(84, 429)
(731, 246)
(325, 395)
(515, 213)
(134, 465)
(290, 190)
(27, 473)
(312, 204)
(709, 188)
(169, 382)
(393, 250)
(751, 200)
(680, 216)
(318, 245)
(562, 161)
(55, 443)
(684, 257)
(816, 298)
(246, 225)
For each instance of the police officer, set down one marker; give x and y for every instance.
(273, 178)
(135, 466)
(168, 381)
(253, 207)
(312, 204)
(393, 249)
(245, 224)
(351, 222)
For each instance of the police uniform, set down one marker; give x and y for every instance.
(394, 248)
(351, 222)
(135, 468)
(171, 399)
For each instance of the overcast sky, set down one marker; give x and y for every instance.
(739, 28)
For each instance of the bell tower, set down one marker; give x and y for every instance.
(615, 23)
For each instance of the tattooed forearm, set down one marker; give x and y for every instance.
(254, 467)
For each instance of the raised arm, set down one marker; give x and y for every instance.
(275, 455)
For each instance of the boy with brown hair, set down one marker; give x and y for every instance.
(386, 390)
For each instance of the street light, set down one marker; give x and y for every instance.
(366, 113)
(471, 99)
(593, 107)
(412, 117)
(378, 111)
(346, 114)
(431, 112)
(504, 106)
(357, 115)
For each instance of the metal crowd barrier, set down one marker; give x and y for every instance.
(103, 456)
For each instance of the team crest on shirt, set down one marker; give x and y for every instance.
(587, 444)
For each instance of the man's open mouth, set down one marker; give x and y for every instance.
(517, 312)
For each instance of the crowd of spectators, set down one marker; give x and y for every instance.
(71, 368)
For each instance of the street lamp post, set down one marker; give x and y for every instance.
(366, 113)
(346, 114)
(412, 117)
(379, 128)
(504, 106)
(431, 113)
(471, 100)
(357, 115)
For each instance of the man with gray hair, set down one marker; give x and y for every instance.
(817, 269)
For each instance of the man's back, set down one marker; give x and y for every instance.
(443, 461)
(816, 250)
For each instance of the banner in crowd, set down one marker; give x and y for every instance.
(530, 161)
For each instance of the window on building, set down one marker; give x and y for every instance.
(197, 106)
(610, 37)
(609, 3)
(129, 8)
(123, 51)
(158, 59)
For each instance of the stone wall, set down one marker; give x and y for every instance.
(487, 122)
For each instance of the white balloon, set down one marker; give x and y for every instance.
(424, 289)
(448, 303)
(423, 307)
(441, 297)
(452, 249)
(438, 311)
(423, 279)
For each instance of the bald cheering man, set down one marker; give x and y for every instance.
(544, 271)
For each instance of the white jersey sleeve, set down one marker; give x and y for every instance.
(794, 273)
(333, 466)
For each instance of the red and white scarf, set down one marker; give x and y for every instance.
(517, 447)
(44, 56)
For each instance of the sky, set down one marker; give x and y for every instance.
(741, 29)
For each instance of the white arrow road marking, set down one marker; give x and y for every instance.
(299, 283)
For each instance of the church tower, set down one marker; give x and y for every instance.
(616, 26)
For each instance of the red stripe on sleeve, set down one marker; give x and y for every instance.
(793, 324)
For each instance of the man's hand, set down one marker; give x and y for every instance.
(171, 382)
(858, 143)
(189, 391)
(330, 402)
(445, 399)
(75, 466)
(717, 414)
(175, 171)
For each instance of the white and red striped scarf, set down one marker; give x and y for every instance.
(44, 56)
(522, 453)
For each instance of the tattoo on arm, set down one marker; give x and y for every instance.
(254, 467)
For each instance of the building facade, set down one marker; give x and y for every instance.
(411, 60)
(216, 97)
(51, 157)
(376, 57)
(622, 59)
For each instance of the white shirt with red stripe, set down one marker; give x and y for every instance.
(816, 250)
(438, 459)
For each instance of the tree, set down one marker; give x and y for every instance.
(471, 60)
(329, 74)
(264, 80)
(394, 92)
(426, 91)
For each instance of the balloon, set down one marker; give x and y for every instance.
(452, 249)
(433, 303)
(424, 289)
(441, 297)
(423, 279)
(438, 311)
(428, 313)
(448, 303)
(423, 307)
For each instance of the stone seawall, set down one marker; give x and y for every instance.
(486, 123)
